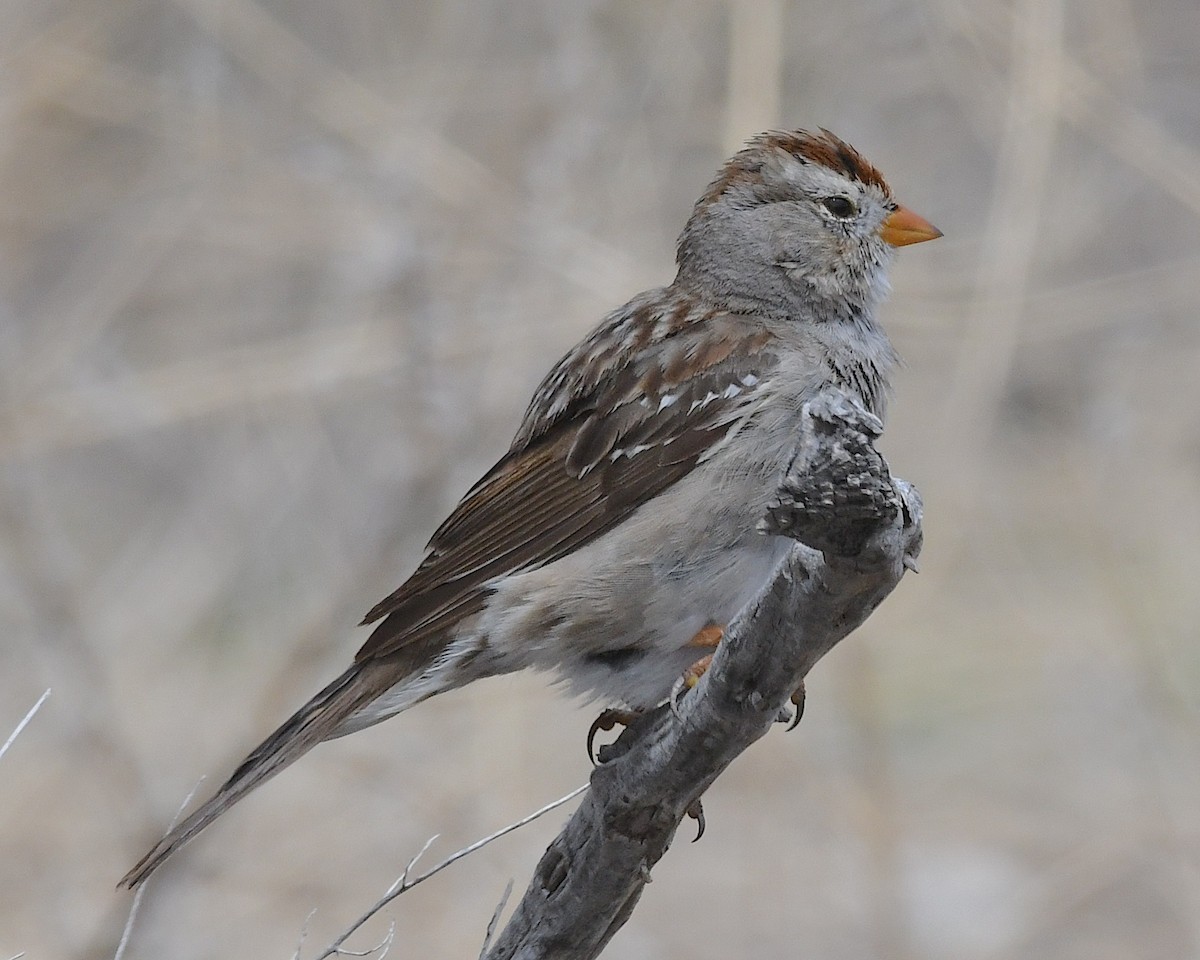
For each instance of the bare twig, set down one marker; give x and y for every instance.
(24, 721)
(491, 927)
(385, 945)
(303, 934)
(403, 883)
(127, 931)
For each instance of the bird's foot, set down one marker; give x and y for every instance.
(607, 720)
(691, 676)
(706, 639)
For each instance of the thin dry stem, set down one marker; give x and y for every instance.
(24, 722)
(491, 927)
(127, 930)
(402, 883)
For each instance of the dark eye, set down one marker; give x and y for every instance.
(842, 207)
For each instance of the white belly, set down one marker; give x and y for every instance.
(615, 618)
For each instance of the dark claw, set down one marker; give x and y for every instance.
(607, 720)
(696, 812)
(798, 701)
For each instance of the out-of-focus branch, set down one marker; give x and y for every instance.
(24, 722)
(857, 530)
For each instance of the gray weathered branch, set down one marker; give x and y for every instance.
(857, 530)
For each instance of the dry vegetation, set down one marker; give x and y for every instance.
(275, 282)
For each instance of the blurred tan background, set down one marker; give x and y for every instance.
(276, 280)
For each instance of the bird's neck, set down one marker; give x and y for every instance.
(769, 290)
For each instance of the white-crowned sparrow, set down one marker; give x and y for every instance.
(617, 536)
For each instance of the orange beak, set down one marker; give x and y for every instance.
(904, 227)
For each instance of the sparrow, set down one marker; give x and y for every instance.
(618, 536)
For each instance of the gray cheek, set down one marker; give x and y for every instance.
(795, 241)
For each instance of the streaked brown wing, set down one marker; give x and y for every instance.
(608, 451)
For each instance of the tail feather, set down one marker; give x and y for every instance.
(317, 720)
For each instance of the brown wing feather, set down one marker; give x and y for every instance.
(609, 449)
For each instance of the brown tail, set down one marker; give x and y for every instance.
(317, 720)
